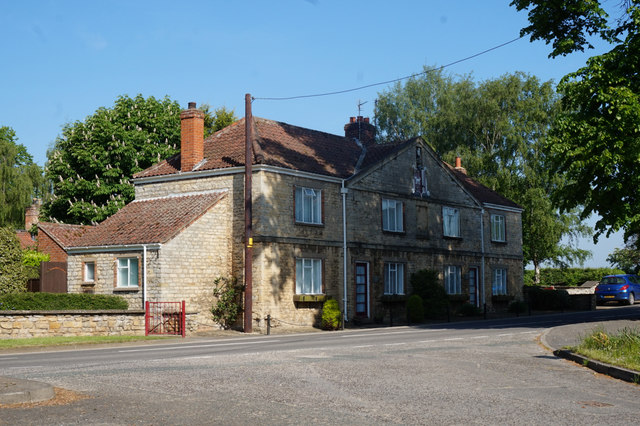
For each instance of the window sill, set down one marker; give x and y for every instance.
(450, 237)
(309, 297)
(126, 289)
(312, 225)
(458, 297)
(500, 243)
(393, 298)
(88, 284)
(400, 233)
(497, 298)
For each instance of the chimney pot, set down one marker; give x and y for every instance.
(458, 162)
(192, 105)
(360, 129)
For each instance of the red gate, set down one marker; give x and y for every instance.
(165, 318)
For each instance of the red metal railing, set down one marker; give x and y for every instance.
(165, 318)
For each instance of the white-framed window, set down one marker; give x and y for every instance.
(127, 272)
(499, 281)
(394, 278)
(308, 202)
(451, 222)
(308, 276)
(89, 272)
(392, 216)
(497, 228)
(453, 279)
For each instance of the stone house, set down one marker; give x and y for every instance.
(333, 216)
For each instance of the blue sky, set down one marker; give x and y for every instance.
(62, 60)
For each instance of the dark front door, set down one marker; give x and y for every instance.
(473, 287)
(362, 289)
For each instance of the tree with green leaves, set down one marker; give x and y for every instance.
(20, 179)
(628, 257)
(595, 143)
(498, 127)
(91, 164)
(13, 272)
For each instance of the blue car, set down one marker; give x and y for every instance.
(618, 288)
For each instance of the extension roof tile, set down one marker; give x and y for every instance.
(149, 221)
(62, 233)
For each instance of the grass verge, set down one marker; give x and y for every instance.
(621, 349)
(71, 340)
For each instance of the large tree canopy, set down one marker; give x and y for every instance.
(596, 139)
(92, 162)
(20, 179)
(498, 127)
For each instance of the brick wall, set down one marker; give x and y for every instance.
(47, 245)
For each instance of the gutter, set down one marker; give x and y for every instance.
(113, 249)
(232, 171)
(144, 275)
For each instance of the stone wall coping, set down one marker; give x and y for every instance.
(75, 312)
(84, 312)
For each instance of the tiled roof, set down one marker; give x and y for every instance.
(150, 221)
(25, 239)
(276, 144)
(377, 153)
(301, 149)
(63, 234)
(479, 191)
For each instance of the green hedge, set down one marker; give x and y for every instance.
(569, 276)
(60, 302)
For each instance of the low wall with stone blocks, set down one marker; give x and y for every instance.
(24, 324)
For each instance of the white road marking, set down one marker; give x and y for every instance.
(392, 332)
(193, 346)
(362, 346)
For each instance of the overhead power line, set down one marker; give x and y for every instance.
(338, 92)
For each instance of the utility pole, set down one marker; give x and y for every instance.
(248, 231)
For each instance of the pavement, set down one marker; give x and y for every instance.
(18, 391)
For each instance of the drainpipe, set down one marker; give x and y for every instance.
(144, 275)
(482, 248)
(344, 192)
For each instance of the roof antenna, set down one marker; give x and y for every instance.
(360, 103)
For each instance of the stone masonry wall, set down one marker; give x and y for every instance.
(191, 262)
(27, 324)
(24, 324)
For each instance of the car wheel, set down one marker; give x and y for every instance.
(631, 300)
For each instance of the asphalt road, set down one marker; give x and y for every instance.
(489, 372)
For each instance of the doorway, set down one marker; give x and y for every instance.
(362, 289)
(473, 287)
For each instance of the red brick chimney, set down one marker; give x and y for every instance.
(31, 214)
(192, 137)
(360, 128)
